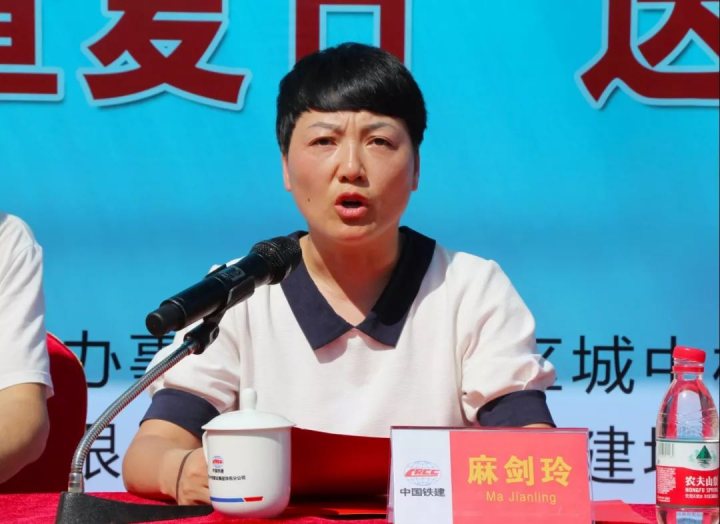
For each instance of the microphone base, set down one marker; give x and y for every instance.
(81, 508)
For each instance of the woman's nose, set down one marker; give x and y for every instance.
(350, 162)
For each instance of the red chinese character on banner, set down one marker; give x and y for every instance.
(21, 76)
(311, 18)
(154, 46)
(646, 70)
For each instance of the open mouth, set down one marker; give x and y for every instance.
(351, 206)
(351, 201)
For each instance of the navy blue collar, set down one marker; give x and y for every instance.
(321, 325)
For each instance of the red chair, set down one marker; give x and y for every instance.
(67, 411)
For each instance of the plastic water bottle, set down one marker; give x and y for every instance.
(686, 449)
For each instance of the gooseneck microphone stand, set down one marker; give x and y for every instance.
(269, 262)
(77, 507)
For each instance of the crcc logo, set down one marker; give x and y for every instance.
(422, 473)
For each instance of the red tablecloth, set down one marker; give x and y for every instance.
(42, 507)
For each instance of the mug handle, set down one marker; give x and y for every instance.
(204, 446)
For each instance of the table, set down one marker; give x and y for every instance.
(41, 508)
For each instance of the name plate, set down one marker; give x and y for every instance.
(471, 475)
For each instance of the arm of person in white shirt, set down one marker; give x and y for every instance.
(24, 427)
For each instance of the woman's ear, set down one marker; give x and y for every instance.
(416, 173)
(286, 175)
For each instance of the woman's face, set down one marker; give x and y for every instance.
(350, 173)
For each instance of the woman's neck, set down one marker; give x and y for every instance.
(351, 277)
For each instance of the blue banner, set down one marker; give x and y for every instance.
(576, 143)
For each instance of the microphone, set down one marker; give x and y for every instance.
(268, 262)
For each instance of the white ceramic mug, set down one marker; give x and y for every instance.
(248, 458)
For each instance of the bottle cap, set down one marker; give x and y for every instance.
(688, 353)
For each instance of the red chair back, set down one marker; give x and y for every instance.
(67, 411)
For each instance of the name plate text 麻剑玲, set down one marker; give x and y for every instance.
(470, 475)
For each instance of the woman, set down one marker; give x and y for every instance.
(378, 325)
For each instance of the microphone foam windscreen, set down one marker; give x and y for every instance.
(282, 255)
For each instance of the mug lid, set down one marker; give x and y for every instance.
(247, 417)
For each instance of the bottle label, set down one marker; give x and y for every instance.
(686, 472)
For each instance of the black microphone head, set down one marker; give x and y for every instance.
(282, 254)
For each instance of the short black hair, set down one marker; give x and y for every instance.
(350, 77)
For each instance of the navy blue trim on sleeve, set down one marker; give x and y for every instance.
(184, 409)
(516, 409)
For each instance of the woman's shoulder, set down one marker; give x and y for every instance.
(465, 265)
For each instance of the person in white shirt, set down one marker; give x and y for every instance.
(378, 325)
(25, 380)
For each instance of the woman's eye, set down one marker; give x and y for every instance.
(379, 141)
(322, 141)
